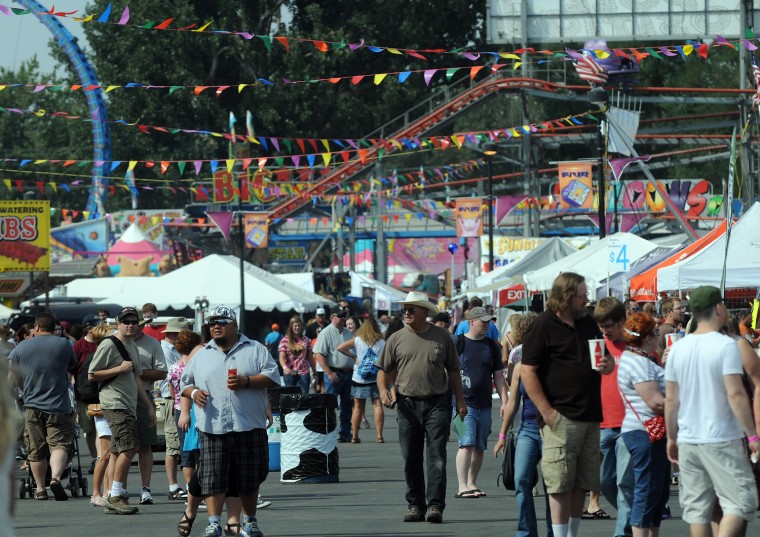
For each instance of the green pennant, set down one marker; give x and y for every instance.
(181, 165)
(289, 144)
(18, 11)
(460, 49)
(83, 163)
(338, 46)
(55, 88)
(450, 72)
(280, 161)
(267, 41)
(174, 88)
(365, 143)
(653, 52)
(148, 25)
(380, 152)
(592, 116)
(748, 33)
(174, 131)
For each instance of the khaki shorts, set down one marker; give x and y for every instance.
(86, 423)
(570, 455)
(719, 470)
(146, 435)
(45, 433)
(170, 429)
(123, 427)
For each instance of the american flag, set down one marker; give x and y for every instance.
(756, 73)
(590, 71)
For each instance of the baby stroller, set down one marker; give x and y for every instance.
(77, 483)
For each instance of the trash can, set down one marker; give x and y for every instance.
(309, 438)
(273, 433)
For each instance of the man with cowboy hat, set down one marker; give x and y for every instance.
(423, 360)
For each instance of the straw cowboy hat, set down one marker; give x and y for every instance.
(415, 298)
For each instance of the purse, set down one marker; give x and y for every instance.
(94, 410)
(507, 474)
(655, 427)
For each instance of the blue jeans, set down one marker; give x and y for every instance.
(342, 389)
(302, 381)
(527, 457)
(616, 476)
(651, 474)
(477, 425)
(421, 420)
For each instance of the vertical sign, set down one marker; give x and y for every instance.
(256, 230)
(618, 255)
(25, 236)
(469, 213)
(575, 186)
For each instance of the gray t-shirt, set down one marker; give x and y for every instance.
(327, 343)
(151, 357)
(43, 363)
(121, 392)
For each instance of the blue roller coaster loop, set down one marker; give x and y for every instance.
(96, 105)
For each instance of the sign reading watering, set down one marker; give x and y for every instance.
(25, 235)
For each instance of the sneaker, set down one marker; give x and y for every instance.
(213, 530)
(666, 514)
(415, 514)
(435, 515)
(178, 494)
(261, 504)
(251, 529)
(98, 501)
(119, 505)
(145, 497)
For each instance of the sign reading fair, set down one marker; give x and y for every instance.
(25, 236)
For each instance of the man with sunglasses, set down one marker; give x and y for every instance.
(421, 360)
(673, 310)
(337, 366)
(228, 381)
(116, 366)
(631, 307)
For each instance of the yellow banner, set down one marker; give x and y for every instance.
(256, 230)
(575, 186)
(469, 217)
(25, 236)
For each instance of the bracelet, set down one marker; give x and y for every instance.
(247, 381)
(502, 437)
(753, 438)
(192, 394)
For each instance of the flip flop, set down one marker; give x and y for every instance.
(232, 529)
(467, 494)
(380, 441)
(57, 489)
(479, 492)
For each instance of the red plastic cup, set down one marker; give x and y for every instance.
(231, 374)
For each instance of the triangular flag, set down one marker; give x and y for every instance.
(222, 220)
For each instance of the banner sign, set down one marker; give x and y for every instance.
(25, 236)
(575, 185)
(81, 240)
(13, 284)
(256, 227)
(289, 252)
(150, 221)
(469, 213)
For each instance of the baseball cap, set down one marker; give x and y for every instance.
(339, 311)
(704, 297)
(90, 320)
(127, 312)
(320, 311)
(222, 312)
(478, 313)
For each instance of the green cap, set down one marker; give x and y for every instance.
(704, 297)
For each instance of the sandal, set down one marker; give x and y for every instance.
(185, 526)
(467, 494)
(380, 440)
(596, 515)
(232, 529)
(41, 495)
(57, 489)
(479, 492)
(356, 440)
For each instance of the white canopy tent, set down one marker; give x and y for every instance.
(217, 277)
(385, 296)
(592, 262)
(706, 266)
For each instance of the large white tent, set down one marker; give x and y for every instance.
(706, 266)
(592, 262)
(217, 277)
(385, 296)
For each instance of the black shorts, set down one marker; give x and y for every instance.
(245, 455)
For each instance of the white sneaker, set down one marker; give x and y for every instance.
(145, 497)
(261, 504)
(213, 530)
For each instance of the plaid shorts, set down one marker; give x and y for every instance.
(244, 455)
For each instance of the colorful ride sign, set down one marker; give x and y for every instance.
(469, 217)
(25, 236)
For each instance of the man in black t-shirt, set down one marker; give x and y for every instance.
(480, 361)
(559, 379)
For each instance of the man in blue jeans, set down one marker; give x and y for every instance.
(337, 366)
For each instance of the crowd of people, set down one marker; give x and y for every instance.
(663, 399)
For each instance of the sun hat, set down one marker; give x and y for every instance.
(416, 298)
(176, 324)
(478, 313)
(222, 312)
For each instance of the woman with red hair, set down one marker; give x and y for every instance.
(642, 385)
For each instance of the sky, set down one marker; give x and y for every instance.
(23, 36)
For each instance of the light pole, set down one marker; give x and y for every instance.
(489, 150)
(598, 97)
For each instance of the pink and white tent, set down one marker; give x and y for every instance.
(134, 245)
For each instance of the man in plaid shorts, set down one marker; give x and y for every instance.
(228, 380)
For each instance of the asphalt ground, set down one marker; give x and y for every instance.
(368, 501)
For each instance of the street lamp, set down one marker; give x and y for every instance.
(489, 150)
(598, 97)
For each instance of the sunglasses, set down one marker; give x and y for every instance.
(409, 309)
(220, 322)
(130, 323)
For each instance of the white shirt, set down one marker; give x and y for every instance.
(698, 364)
(634, 369)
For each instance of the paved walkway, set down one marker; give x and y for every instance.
(368, 501)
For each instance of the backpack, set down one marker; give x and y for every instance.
(88, 389)
(367, 368)
(495, 349)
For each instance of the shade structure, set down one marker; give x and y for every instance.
(384, 296)
(217, 277)
(644, 286)
(706, 266)
(547, 252)
(618, 283)
(591, 262)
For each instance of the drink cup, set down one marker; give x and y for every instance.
(597, 348)
(670, 339)
(231, 374)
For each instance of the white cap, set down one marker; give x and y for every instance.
(320, 311)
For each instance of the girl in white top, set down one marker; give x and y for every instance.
(367, 346)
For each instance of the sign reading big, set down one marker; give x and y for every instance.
(25, 236)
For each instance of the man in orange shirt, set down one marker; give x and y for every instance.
(746, 330)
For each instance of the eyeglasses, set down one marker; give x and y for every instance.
(220, 322)
(409, 309)
(682, 308)
(130, 323)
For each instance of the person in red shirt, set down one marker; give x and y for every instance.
(83, 348)
(746, 330)
(150, 312)
(616, 469)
